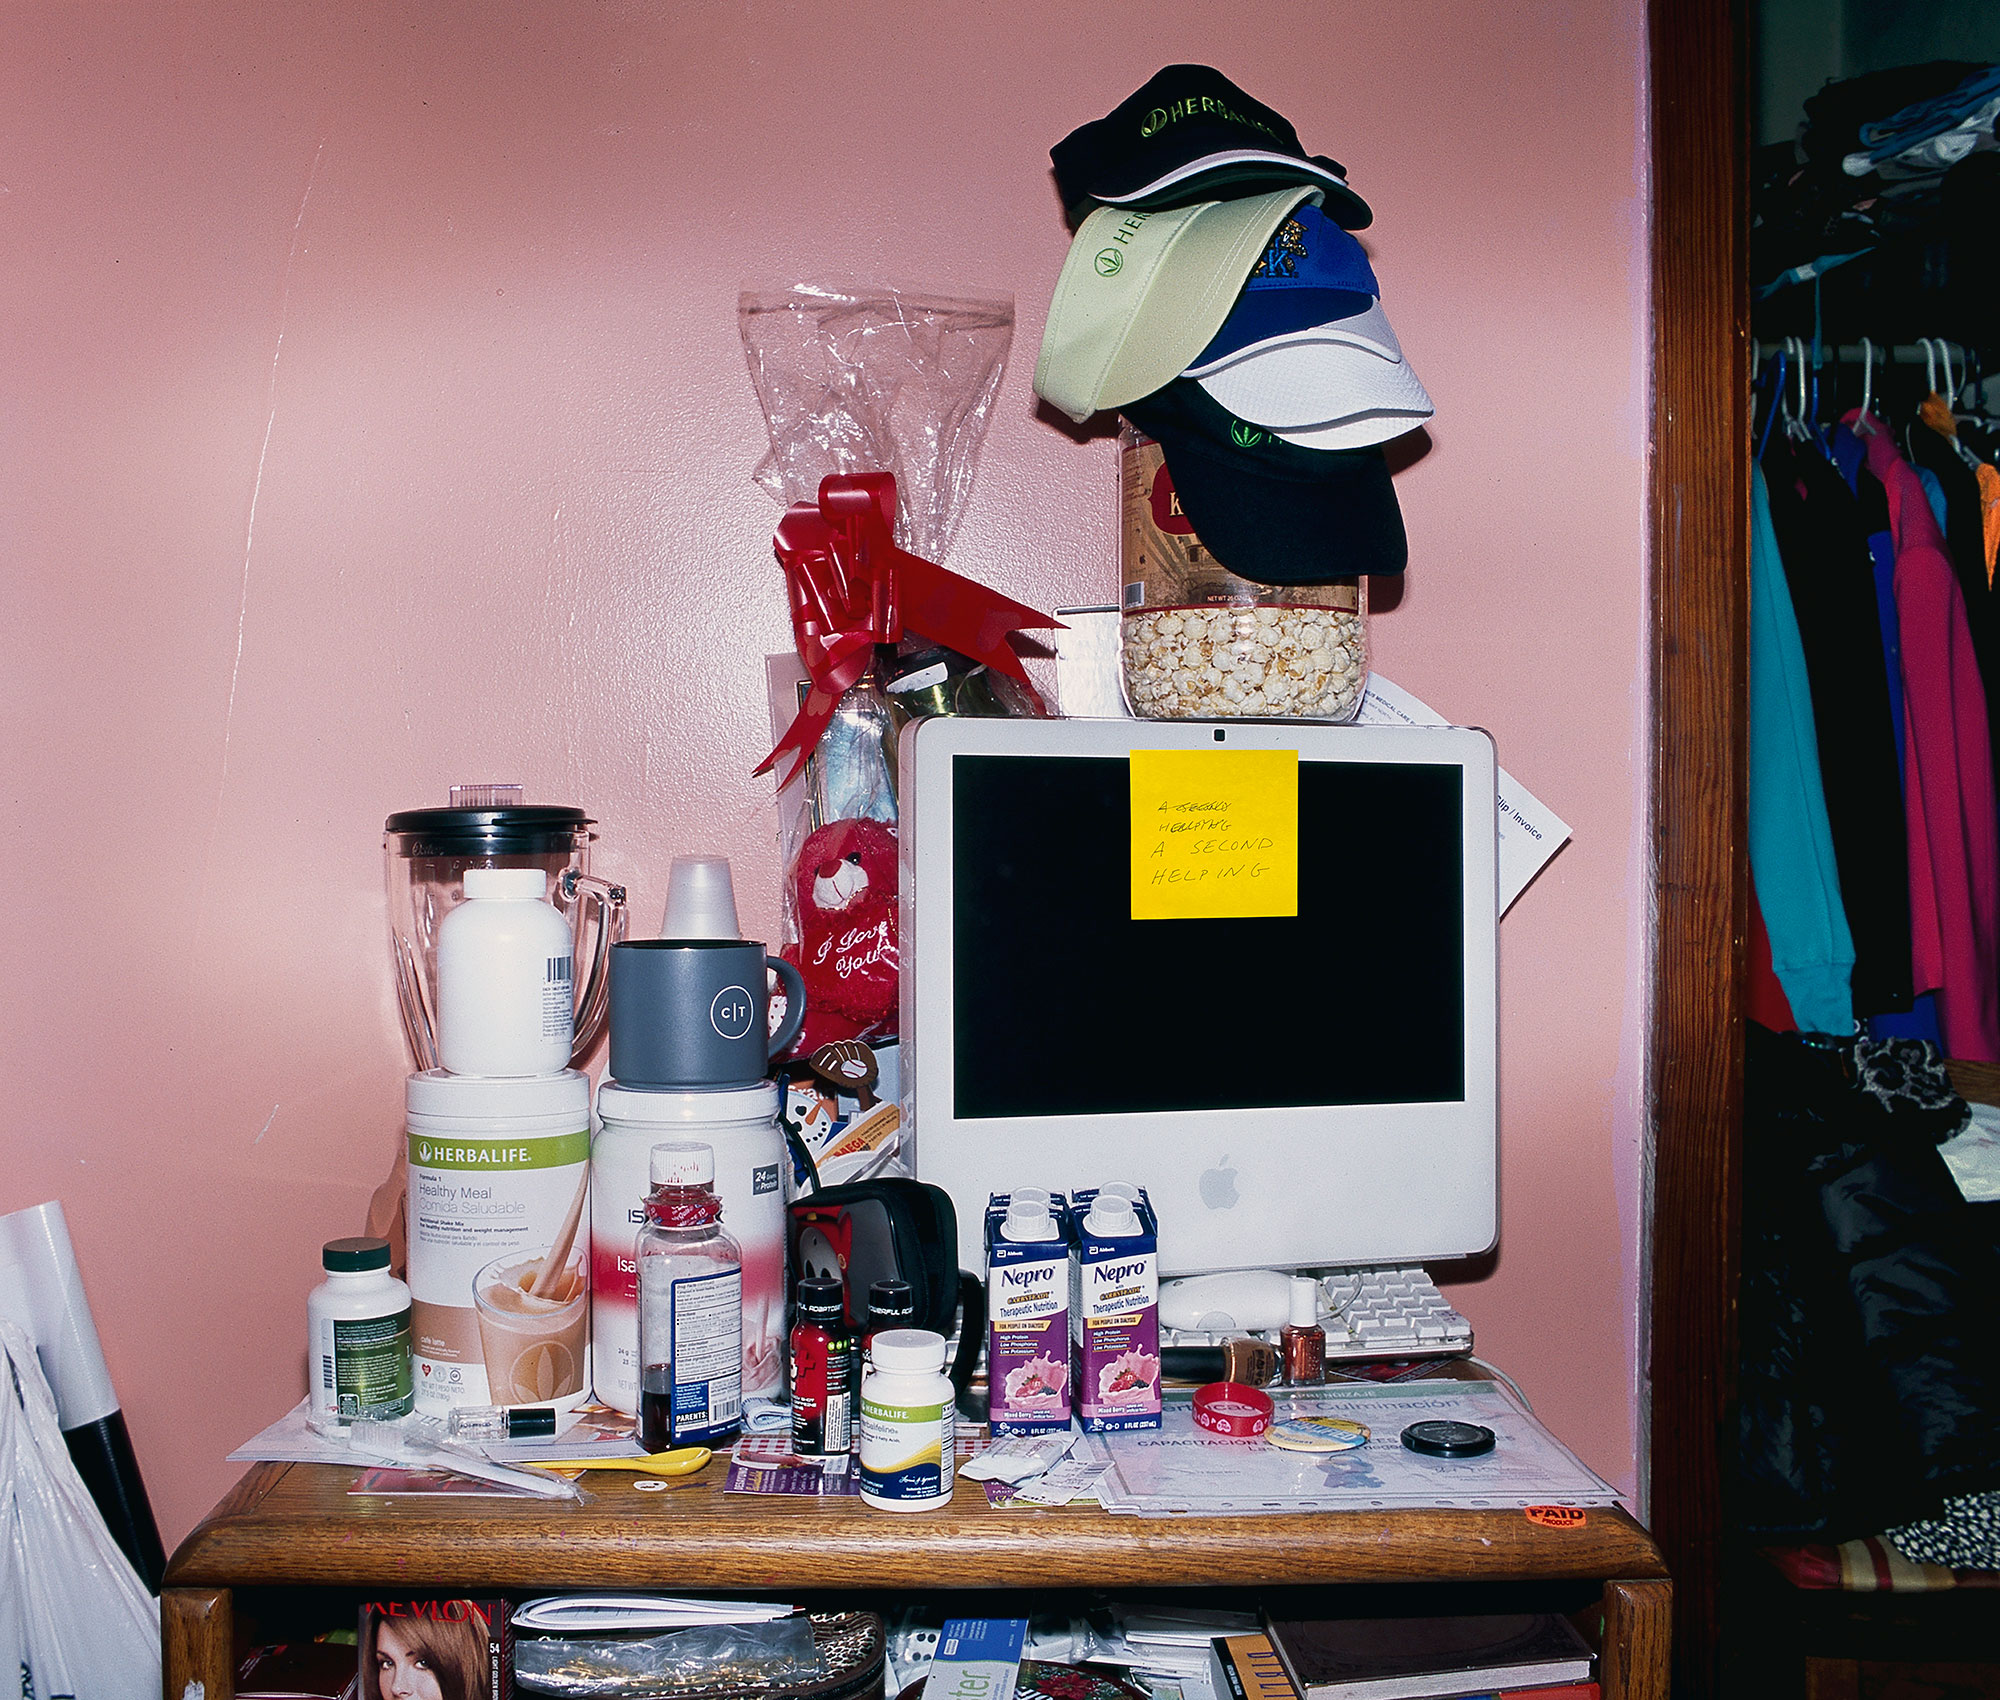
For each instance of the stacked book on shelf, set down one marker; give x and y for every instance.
(1514, 1657)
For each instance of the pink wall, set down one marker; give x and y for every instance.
(374, 418)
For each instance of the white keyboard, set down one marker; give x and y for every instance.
(1390, 1313)
(1367, 1313)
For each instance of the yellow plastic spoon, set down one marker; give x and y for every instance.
(682, 1461)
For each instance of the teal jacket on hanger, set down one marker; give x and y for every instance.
(1791, 846)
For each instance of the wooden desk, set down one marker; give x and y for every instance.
(293, 1525)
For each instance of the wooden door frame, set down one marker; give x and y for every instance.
(1699, 500)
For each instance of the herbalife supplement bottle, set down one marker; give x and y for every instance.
(908, 1447)
(359, 1322)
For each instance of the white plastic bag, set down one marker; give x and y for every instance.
(74, 1617)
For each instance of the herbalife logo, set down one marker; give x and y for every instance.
(1246, 436)
(1110, 261)
(1198, 106)
(423, 1153)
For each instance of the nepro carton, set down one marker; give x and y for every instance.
(1027, 1308)
(1114, 1310)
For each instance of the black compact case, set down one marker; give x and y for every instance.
(892, 1230)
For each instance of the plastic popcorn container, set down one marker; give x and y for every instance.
(1199, 643)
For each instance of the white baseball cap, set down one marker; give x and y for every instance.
(1343, 384)
(1143, 293)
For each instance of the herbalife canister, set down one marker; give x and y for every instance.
(499, 1277)
(741, 1125)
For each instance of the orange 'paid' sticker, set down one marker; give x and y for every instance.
(1556, 1516)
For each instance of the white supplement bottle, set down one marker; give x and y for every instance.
(358, 1320)
(505, 978)
(908, 1445)
(740, 1125)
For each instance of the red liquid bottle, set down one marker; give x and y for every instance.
(690, 1306)
(825, 1371)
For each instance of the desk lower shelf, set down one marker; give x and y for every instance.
(293, 1525)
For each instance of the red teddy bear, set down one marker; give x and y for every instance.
(844, 883)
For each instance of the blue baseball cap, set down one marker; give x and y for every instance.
(1312, 273)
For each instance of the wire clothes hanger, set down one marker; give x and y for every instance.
(1937, 410)
(1776, 381)
(1864, 421)
(1802, 422)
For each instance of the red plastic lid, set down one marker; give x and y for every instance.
(1233, 1409)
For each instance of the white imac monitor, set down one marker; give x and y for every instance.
(1312, 1088)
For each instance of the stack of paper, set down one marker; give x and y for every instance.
(1176, 1644)
(586, 1614)
(1185, 1469)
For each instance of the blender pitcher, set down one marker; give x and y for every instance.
(426, 853)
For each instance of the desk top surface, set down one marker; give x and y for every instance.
(297, 1524)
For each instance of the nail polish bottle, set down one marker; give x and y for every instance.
(1304, 1341)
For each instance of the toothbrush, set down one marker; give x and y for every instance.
(423, 1440)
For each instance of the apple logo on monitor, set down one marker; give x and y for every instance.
(1218, 1186)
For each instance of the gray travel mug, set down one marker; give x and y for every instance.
(693, 1012)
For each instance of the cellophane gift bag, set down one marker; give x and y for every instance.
(857, 383)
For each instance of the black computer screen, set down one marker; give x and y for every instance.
(1067, 1006)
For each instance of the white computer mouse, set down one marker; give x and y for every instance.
(1240, 1300)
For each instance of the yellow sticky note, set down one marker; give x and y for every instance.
(1215, 834)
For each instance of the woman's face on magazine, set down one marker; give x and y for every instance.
(402, 1670)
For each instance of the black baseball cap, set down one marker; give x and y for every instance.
(1192, 135)
(1267, 509)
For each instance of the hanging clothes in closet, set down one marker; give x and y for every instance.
(1884, 218)
(1794, 881)
(1868, 1401)
(1896, 728)
(1827, 568)
(1949, 794)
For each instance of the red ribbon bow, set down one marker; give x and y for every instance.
(852, 588)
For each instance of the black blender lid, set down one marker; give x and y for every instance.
(521, 829)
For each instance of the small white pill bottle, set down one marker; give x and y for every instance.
(908, 1447)
(358, 1319)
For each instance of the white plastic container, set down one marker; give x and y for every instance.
(506, 978)
(358, 1321)
(499, 1178)
(908, 1440)
(1199, 643)
(741, 1125)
